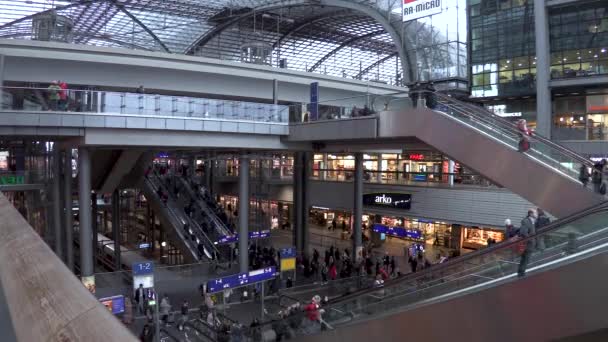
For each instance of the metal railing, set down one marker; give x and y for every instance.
(150, 105)
(581, 232)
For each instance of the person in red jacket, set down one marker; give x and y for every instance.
(313, 312)
(333, 271)
(63, 96)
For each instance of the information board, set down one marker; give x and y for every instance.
(143, 273)
(289, 252)
(115, 304)
(400, 232)
(241, 279)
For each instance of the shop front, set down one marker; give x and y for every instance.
(325, 217)
(477, 237)
(275, 213)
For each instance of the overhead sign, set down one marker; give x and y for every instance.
(391, 200)
(144, 245)
(399, 232)
(6, 180)
(314, 101)
(241, 279)
(115, 304)
(261, 234)
(288, 258)
(415, 9)
(289, 252)
(143, 273)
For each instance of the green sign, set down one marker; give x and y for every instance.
(4, 180)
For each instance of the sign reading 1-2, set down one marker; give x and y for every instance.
(142, 268)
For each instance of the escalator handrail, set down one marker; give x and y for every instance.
(484, 114)
(602, 207)
(197, 228)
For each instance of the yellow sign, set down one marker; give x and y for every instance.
(288, 264)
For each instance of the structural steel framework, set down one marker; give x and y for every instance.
(360, 39)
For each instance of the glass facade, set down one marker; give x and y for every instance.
(579, 40)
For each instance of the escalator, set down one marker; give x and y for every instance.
(199, 237)
(488, 144)
(183, 237)
(218, 229)
(562, 284)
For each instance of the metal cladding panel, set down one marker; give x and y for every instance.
(213, 126)
(194, 125)
(116, 122)
(177, 124)
(94, 121)
(50, 120)
(261, 128)
(155, 123)
(227, 126)
(68, 120)
(133, 122)
(245, 127)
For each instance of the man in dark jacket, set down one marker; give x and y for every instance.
(527, 229)
(541, 221)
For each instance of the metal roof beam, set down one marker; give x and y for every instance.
(375, 64)
(122, 8)
(343, 45)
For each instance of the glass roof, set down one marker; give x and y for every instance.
(323, 39)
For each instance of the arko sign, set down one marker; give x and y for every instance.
(391, 200)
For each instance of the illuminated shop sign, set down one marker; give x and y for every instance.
(391, 200)
(399, 232)
(415, 9)
(416, 156)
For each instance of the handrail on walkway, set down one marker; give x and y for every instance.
(45, 300)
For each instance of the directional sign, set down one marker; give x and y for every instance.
(262, 234)
(398, 231)
(241, 279)
(289, 252)
(142, 268)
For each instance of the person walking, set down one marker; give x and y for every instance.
(583, 175)
(165, 309)
(140, 298)
(184, 311)
(527, 229)
(147, 334)
(597, 177)
(53, 94)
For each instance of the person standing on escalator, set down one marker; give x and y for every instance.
(527, 229)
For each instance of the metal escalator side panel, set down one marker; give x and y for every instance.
(533, 180)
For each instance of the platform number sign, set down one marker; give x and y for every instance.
(416, 9)
(142, 268)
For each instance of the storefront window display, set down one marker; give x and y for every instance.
(324, 217)
(477, 238)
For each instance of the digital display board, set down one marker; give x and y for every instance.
(289, 252)
(241, 279)
(400, 232)
(115, 304)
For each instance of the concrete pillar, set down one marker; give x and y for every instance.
(243, 213)
(2, 104)
(275, 91)
(67, 214)
(451, 172)
(306, 173)
(94, 225)
(116, 236)
(297, 201)
(84, 212)
(56, 206)
(358, 207)
(543, 63)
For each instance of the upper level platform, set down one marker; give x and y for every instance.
(42, 62)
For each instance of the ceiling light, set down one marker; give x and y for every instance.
(561, 119)
(604, 50)
(581, 118)
(565, 59)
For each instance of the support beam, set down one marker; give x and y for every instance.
(84, 212)
(243, 213)
(543, 74)
(67, 203)
(122, 8)
(94, 225)
(374, 65)
(344, 45)
(358, 208)
(56, 205)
